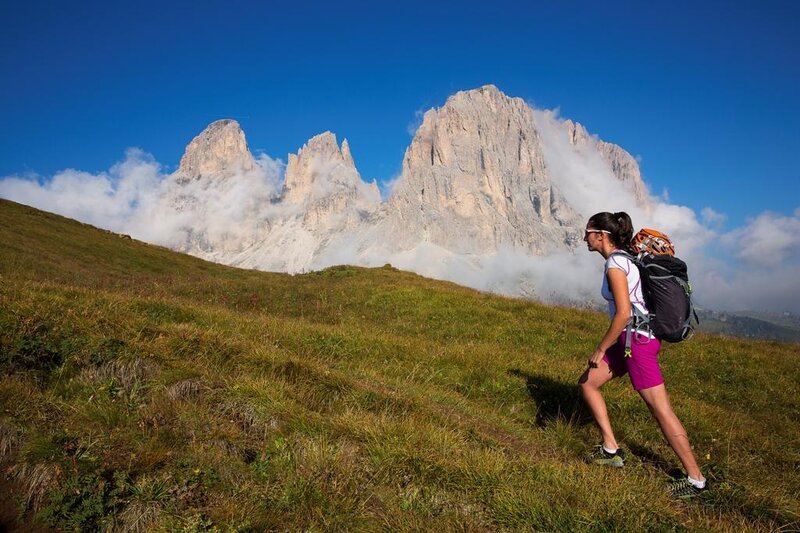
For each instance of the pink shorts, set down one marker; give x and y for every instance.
(642, 365)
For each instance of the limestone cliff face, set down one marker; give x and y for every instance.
(322, 178)
(220, 148)
(622, 164)
(474, 178)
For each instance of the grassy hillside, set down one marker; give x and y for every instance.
(145, 390)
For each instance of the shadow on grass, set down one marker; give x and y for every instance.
(554, 400)
(648, 456)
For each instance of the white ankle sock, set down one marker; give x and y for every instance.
(696, 482)
(609, 450)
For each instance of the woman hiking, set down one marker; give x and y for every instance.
(609, 234)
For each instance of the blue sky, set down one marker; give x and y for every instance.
(705, 93)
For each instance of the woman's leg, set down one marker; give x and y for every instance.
(590, 382)
(657, 400)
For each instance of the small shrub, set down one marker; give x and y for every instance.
(107, 350)
(339, 271)
(85, 501)
(252, 418)
(32, 350)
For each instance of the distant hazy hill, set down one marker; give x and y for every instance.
(752, 325)
(145, 390)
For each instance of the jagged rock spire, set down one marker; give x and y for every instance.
(348, 158)
(319, 168)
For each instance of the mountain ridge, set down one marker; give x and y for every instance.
(474, 182)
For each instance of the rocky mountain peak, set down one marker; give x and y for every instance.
(487, 95)
(319, 168)
(323, 144)
(220, 148)
(477, 162)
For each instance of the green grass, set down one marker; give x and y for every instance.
(147, 390)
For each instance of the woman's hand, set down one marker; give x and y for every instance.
(596, 357)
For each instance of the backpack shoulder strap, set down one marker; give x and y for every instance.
(639, 320)
(623, 253)
(626, 255)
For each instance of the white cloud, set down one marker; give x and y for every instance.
(712, 218)
(761, 274)
(768, 240)
(109, 199)
(136, 198)
(389, 186)
(414, 125)
(580, 172)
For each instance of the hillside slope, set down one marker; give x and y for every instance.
(146, 390)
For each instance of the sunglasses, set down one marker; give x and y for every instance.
(588, 231)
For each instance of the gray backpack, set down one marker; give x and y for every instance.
(667, 296)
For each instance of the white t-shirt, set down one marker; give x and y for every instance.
(621, 262)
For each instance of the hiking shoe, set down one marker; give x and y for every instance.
(601, 457)
(684, 489)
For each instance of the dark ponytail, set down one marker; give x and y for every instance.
(619, 226)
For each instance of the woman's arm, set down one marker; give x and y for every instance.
(618, 283)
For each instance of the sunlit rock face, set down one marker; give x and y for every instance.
(474, 178)
(220, 148)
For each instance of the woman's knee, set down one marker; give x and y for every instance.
(589, 382)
